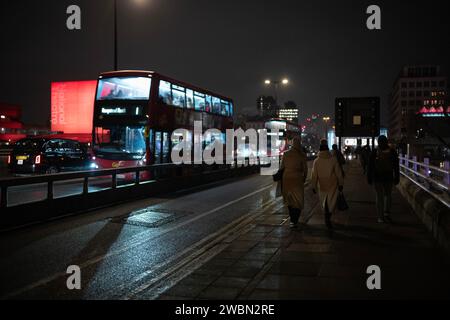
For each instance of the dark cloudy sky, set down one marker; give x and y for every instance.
(229, 46)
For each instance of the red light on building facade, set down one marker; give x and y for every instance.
(433, 111)
(72, 106)
(425, 110)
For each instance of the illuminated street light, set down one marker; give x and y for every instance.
(326, 120)
(276, 84)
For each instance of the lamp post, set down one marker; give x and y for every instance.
(276, 84)
(326, 120)
(116, 40)
(115, 36)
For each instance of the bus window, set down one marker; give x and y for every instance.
(179, 96)
(158, 146)
(135, 140)
(189, 98)
(151, 138)
(165, 93)
(166, 148)
(208, 104)
(199, 101)
(216, 105)
(231, 113)
(224, 109)
(177, 138)
(132, 88)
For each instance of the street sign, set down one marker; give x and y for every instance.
(357, 117)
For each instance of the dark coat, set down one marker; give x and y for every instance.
(393, 176)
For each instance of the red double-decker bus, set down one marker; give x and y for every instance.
(136, 112)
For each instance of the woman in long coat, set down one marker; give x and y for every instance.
(327, 177)
(293, 182)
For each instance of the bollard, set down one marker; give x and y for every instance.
(426, 166)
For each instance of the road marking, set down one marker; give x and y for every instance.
(133, 244)
(198, 258)
(205, 242)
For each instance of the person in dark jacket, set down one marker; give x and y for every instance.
(383, 173)
(340, 157)
(365, 155)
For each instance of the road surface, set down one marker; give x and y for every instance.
(122, 248)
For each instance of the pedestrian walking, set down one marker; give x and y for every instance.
(339, 157)
(328, 180)
(295, 171)
(383, 173)
(365, 155)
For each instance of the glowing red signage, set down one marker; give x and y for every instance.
(433, 111)
(72, 106)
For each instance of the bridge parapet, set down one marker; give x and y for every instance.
(426, 188)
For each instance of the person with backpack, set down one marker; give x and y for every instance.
(383, 173)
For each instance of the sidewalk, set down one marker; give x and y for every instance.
(271, 261)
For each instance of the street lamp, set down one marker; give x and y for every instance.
(115, 33)
(276, 84)
(326, 120)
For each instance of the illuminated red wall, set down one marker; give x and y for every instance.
(72, 106)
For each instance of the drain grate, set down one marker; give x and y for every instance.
(150, 217)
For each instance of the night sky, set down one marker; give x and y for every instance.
(229, 47)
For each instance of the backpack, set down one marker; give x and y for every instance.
(384, 167)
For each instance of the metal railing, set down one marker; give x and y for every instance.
(432, 179)
(135, 177)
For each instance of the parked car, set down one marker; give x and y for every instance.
(49, 156)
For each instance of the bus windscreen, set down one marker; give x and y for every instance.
(130, 88)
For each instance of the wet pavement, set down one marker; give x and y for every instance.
(272, 261)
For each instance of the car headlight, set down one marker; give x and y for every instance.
(94, 166)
